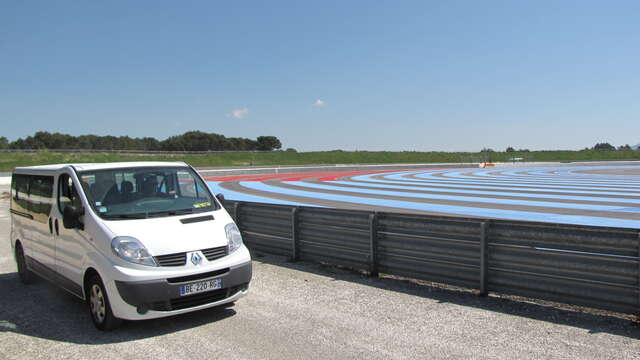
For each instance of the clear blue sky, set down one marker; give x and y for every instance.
(389, 75)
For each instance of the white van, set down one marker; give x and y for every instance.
(137, 240)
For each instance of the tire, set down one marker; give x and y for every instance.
(25, 275)
(99, 305)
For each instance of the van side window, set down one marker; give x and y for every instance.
(20, 187)
(20, 194)
(32, 195)
(41, 196)
(67, 193)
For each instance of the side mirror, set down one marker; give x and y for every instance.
(71, 218)
(220, 198)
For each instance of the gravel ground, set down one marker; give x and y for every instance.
(303, 310)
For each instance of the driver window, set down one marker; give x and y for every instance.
(67, 193)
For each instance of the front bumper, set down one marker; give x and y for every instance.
(164, 295)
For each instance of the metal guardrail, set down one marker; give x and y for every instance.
(596, 267)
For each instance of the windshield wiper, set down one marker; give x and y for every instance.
(182, 211)
(125, 216)
(148, 214)
(170, 212)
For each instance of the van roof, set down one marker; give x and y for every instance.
(95, 166)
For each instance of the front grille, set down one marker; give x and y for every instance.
(177, 259)
(215, 253)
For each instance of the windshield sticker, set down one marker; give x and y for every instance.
(102, 209)
(98, 203)
(201, 205)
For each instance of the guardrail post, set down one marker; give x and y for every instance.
(638, 315)
(373, 244)
(294, 234)
(236, 214)
(484, 248)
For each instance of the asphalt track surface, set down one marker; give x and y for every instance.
(584, 195)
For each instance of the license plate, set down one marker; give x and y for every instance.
(200, 286)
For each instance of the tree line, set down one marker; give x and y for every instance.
(189, 141)
(599, 146)
(609, 147)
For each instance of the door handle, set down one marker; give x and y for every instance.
(51, 226)
(57, 228)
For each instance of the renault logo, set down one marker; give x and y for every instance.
(196, 259)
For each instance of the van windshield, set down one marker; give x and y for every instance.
(143, 192)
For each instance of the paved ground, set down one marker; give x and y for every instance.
(600, 195)
(309, 311)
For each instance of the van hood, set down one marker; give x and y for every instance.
(169, 235)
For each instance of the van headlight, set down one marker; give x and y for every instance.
(132, 250)
(233, 236)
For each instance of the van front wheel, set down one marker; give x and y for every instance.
(99, 305)
(25, 275)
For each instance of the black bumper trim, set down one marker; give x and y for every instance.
(146, 293)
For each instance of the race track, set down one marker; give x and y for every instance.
(584, 195)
